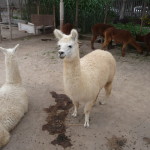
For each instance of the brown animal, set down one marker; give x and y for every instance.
(146, 40)
(66, 28)
(120, 36)
(98, 29)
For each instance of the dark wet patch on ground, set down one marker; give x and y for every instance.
(147, 140)
(56, 119)
(116, 143)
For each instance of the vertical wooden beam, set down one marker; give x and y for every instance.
(61, 13)
(0, 34)
(9, 18)
(76, 19)
(122, 10)
(54, 14)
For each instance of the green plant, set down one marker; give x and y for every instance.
(134, 29)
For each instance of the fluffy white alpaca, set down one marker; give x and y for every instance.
(13, 98)
(85, 77)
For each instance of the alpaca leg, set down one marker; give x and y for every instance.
(93, 40)
(110, 45)
(136, 45)
(87, 110)
(76, 105)
(106, 42)
(108, 88)
(148, 50)
(124, 49)
(4, 136)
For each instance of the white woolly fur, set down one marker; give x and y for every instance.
(13, 97)
(84, 78)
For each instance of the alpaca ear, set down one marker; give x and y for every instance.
(3, 49)
(58, 34)
(14, 49)
(74, 34)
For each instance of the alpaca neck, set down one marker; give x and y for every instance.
(72, 68)
(12, 71)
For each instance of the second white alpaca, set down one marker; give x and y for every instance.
(85, 77)
(13, 98)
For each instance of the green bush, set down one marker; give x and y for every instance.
(134, 29)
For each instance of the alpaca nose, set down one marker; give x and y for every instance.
(61, 53)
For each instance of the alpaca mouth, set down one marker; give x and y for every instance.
(61, 56)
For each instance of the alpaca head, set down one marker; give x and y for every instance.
(10, 52)
(68, 44)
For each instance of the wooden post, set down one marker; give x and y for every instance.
(54, 14)
(76, 19)
(0, 15)
(61, 13)
(0, 34)
(122, 10)
(9, 18)
(106, 13)
(38, 7)
(143, 14)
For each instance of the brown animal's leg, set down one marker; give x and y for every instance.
(124, 49)
(107, 39)
(136, 45)
(106, 42)
(148, 50)
(110, 45)
(93, 40)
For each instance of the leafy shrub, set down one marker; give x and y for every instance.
(134, 29)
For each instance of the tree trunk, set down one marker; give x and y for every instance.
(20, 7)
(0, 34)
(61, 13)
(38, 7)
(9, 18)
(143, 14)
(106, 13)
(76, 19)
(122, 10)
(54, 14)
(0, 15)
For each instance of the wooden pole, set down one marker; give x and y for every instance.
(54, 14)
(142, 18)
(9, 18)
(0, 34)
(76, 19)
(61, 13)
(38, 7)
(106, 13)
(122, 10)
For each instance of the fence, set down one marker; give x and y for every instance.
(89, 11)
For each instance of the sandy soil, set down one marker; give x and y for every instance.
(126, 115)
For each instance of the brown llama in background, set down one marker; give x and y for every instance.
(146, 40)
(120, 36)
(66, 28)
(98, 30)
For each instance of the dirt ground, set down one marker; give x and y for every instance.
(122, 124)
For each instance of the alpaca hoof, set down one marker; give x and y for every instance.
(74, 114)
(102, 103)
(4, 138)
(86, 124)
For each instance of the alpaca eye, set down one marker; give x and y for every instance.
(70, 46)
(58, 46)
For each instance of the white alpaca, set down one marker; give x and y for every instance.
(85, 77)
(13, 98)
